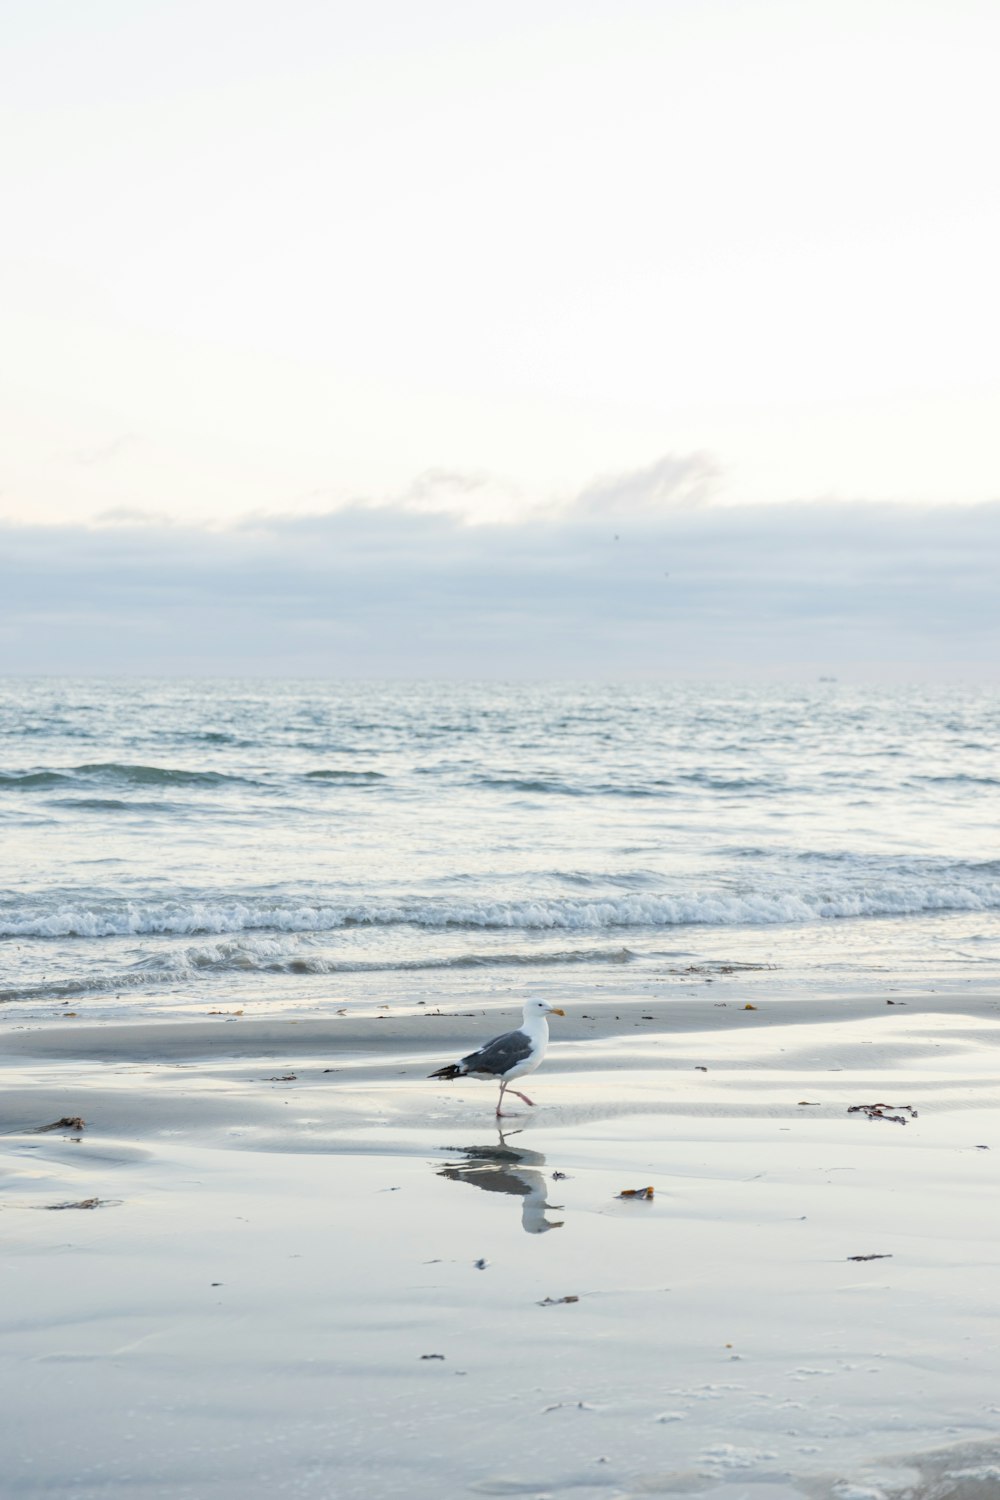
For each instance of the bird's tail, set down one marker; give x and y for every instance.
(451, 1071)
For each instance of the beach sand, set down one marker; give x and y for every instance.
(313, 1272)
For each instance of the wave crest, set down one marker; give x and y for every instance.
(262, 957)
(114, 773)
(964, 891)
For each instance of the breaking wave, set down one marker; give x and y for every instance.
(262, 957)
(963, 891)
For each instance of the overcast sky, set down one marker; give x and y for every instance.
(605, 588)
(403, 267)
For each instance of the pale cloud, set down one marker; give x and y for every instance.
(687, 480)
(473, 495)
(104, 452)
(631, 580)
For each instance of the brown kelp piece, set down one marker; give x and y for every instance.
(84, 1203)
(881, 1112)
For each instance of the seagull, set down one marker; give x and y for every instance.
(511, 1055)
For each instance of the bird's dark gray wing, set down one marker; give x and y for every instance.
(500, 1054)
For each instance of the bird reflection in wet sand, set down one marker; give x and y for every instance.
(502, 1169)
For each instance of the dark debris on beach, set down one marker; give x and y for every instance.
(84, 1203)
(68, 1122)
(880, 1112)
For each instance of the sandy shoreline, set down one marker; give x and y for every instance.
(248, 1310)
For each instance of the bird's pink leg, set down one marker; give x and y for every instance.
(524, 1097)
(500, 1114)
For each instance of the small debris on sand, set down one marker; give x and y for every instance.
(729, 968)
(699, 1069)
(481, 1263)
(748, 1006)
(554, 1301)
(869, 1257)
(646, 1192)
(432, 1356)
(878, 1111)
(561, 1176)
(68, 1122)
(282, 1078)
(82, 1203)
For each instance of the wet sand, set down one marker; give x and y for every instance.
(255, 1304)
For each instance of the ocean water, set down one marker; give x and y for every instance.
(183, 846)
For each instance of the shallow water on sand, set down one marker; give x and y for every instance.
(291, 1226)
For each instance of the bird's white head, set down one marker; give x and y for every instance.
(538, 1007)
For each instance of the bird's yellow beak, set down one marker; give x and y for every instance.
(555, 1011)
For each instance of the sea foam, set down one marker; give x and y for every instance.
(899, 897)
